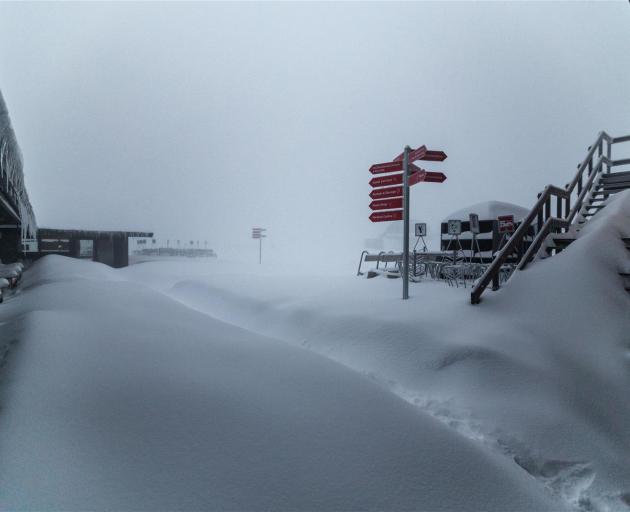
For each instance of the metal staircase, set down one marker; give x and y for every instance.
(575, 204)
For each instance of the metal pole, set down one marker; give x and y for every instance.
(260, 250)
(405, 269)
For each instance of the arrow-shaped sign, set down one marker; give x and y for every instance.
(435, 177)
(386, 193)
(386, 216)
(387, 204)
(422, 153)
(414, 154)
(427, 177)
(434, 156)
(417, 177)
(386, 167)
(384, 181)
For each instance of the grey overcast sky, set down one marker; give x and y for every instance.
(201, 120)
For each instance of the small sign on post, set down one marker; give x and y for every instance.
(421, 229)
(506, 223)
(474, 223)
(257, 233)
(454, 227)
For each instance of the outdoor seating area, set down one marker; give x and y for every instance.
(469, 241)
(452, 268)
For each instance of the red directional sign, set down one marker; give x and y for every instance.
(434, 156)
(435, 177)
(387, 204)
(383, 181)
(422, 153)
(385, 216)
(417, 177)
(417, 154)
(386, 193)
(414, 154)
(386, 167)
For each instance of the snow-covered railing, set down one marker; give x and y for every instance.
(12, 175)
(540, 215)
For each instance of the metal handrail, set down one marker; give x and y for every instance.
(542, 211)
(361, 262)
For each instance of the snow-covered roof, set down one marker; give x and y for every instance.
(11, 165)
(490, 210)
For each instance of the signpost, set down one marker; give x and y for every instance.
(391, 199)
(257, 233)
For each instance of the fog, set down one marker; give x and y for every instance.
(200, 120)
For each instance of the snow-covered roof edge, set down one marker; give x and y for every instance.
(489, 210)
(12, 165)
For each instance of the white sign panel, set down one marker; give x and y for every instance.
(421, 229)
(474, 223)
(454, 227)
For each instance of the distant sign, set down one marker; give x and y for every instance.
(454, 227)
(421, 229)
(506, 223)
(257, 233)
(474, 223)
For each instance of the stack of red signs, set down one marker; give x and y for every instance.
(258, 233)
(388, 190)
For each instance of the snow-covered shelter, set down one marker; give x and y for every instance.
(490, 237)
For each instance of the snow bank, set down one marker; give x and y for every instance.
(117, 397)
(539, 372)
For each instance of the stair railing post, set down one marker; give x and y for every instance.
(548, 207)
(608, 156)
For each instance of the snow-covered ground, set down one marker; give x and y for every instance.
(187, 384)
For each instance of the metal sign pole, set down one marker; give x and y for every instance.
(260, 250)
(405, 269)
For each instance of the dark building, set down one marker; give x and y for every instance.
(19, 235)
(109, 247)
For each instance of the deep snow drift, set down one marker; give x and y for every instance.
(115, 396)
(130, 388)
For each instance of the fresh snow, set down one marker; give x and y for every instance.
(185, 384)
